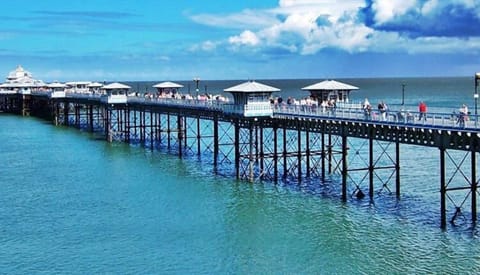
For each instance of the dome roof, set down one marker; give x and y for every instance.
(19, 73)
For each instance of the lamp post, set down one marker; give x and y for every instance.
(403, 94)
(475, 96)
(196, 80)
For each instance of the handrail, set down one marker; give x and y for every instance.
(394, 116)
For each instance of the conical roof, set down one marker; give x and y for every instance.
(56, 85)
(251, 87)
(167, 85)
(330, 85)
(116, 85)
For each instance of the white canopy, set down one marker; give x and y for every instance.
(116, 85)
(95, 85)
(330, 85)
(56, 85)
(251, 87)
(167, 85)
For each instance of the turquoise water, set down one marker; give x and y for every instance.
(71, 203)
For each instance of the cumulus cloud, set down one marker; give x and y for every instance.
(454, 18)
(309, 26)
(245, 38)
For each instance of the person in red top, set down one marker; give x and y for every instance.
(422, 109)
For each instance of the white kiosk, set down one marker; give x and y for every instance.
(330, 90)
(167, 87)
(115, 93)
(252, 98)
(57, 90)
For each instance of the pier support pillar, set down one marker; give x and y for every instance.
(443, 192)
(250, 153)
(237, 149)
(344, 167)
(215, 141)
(370, 168)
(299, 154)
(199, 149)
(180, 134)
(397, 169)
(275, 153)
(323, 153)
(474, 187)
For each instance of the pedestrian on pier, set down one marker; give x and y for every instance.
(367, 109)
(462, 116)
(422, 109)
(332, 105)
(382, 109)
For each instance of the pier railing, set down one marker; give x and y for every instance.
(397, 115)
(394, 116)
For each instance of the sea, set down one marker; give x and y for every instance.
(72, 203)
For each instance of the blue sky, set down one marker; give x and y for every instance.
(248, 39)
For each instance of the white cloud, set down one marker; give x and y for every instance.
(387, 10)
(308, 26)
(246, 19)
(245, 38)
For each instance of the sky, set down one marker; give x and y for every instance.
(159, 40)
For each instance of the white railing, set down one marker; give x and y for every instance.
(394, 116)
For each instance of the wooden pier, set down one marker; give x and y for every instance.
(288, 145)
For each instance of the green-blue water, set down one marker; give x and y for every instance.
(71, 203)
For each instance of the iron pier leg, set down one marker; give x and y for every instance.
(262, 153)
(443, 214)
(65, 113)
(256, 143)
(330, 148)
(344, 168)
(370, 167)
(474, 187)
(250, 153)
(323, 153)
(307, 140)
(275, 153)
(299, 154)
(237, 149)
(198, 136)
(90, 117)
(168, 131)
(397, 168)
(285, 164)
(215, 141)
(180, 134)
(151, 130)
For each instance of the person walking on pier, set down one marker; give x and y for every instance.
(382, 108)
(462, 116)
(422, 109)
(367, 109)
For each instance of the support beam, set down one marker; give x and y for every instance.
(474, 186)
(443, 192)
(344, 167)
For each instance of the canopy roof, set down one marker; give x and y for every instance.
(95, 84)
(73, 83)
(56, 85)
(251, 87)
(167, 85)
(330, 85)
(116, 85)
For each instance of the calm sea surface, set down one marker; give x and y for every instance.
(72, 203)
